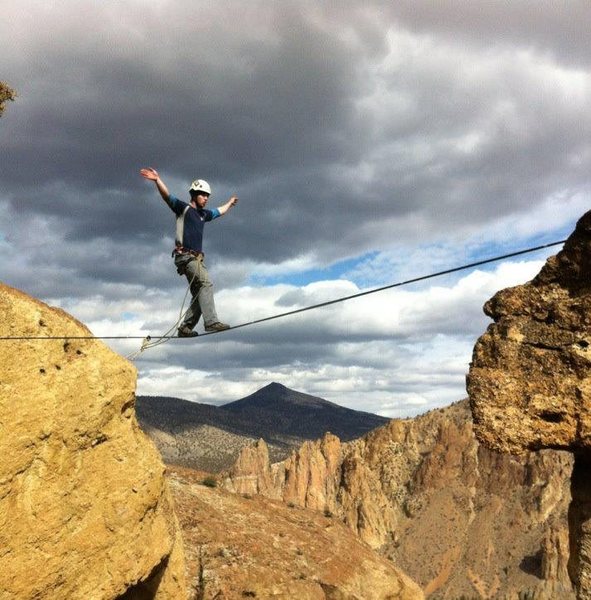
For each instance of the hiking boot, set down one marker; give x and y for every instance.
(216, 327)
(184, 331)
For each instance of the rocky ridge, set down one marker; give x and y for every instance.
(209, 438)
(426, 495)
(530, 378)
(85, 510)
(195, 435)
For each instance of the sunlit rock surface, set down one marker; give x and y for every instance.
(85, 512)
(530, 377)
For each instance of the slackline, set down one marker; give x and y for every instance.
(296, 311)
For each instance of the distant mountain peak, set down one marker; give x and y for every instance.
(274, 387)
(284, 409)
(283, 417)
(278, 396)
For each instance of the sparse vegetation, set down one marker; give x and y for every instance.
(200, 589)
(210, 481)
(7, 94)
(451, 566)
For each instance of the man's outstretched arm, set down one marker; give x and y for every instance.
(152, 175)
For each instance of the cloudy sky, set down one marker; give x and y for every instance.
(368, 143)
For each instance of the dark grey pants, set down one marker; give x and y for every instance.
(202, 303)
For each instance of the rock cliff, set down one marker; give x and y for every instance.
(530, 377)
(85, 512)
(428, 496)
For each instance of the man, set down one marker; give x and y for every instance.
(188, 252)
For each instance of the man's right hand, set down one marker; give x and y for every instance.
(150, 174)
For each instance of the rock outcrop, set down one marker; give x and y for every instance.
(426, 495)
(85, 512)
(530, 377)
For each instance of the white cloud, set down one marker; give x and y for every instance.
(395, 353)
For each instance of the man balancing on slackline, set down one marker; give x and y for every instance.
(188, 252)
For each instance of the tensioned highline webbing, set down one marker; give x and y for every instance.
(297, 310)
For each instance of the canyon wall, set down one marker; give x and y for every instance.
(455, 516)
(530, 378)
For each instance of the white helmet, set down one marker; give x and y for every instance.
(200, 185)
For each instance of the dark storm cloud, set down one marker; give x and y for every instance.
(542, 25)
(182, 96)
(269, 108)
(288, 106)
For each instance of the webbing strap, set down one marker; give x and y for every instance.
(180, 227)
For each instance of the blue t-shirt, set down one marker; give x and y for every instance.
(189, 224)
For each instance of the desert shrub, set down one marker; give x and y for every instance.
(6, 94)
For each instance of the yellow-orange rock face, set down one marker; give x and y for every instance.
(85, 512)
(530, 377)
